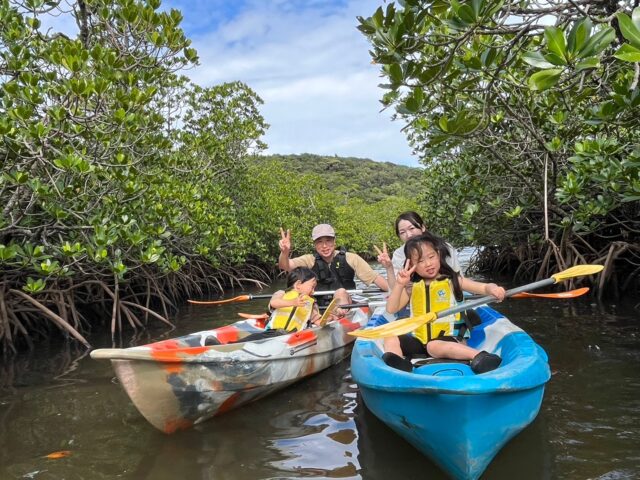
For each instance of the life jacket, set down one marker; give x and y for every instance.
(291, 318)
(338, 274)
(437, 297)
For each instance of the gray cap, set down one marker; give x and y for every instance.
(322, 230)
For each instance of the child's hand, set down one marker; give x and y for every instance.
(285, 241)
(496, 291)
(315, 318)
(383, 256)
(404, 275)
(300, 301)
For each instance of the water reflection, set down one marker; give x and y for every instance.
(59, 399)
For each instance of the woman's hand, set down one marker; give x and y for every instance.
(383, 256)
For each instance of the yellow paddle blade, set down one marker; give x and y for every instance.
(577, 271)
(328, 312)
(393, 329)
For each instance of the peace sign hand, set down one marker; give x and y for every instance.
(285, 241)
(383, 256)
(404, 275)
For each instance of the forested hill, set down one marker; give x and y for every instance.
(355, 177)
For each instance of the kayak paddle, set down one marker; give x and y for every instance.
(560, 295)
(328, 312)
(247, 297)
(257, 316)
(568, 294)
(406, 325)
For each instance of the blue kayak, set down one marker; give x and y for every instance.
(458, 419)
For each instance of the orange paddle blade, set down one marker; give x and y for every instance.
(239, 298)
(259, 316)
(569, 294)
(59, 454)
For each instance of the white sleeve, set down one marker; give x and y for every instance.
(453, 261)
(398, 259)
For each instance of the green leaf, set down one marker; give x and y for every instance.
(443, 123)
(556, 42)
(628, 53)
(597, 42)
(544, 79)
(488, 56)
(536, 59)
(34, 286)
(635, 17)
(628, 29)
(466, 14)
(395, 73)
(7, 252)
(587, 63)
(378, 18)
(579, 34)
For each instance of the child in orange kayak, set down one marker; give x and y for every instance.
(295, 308)
(429, 284)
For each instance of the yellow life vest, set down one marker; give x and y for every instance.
(440, 297)
(291, 318)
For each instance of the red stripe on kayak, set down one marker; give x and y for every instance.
(301, 337)
(176, 355)
(228, 334)
(171, 344)
(348, 325)
(228, 404)
(262, 322)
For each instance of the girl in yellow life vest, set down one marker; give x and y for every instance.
(295, 307)
(428, 283)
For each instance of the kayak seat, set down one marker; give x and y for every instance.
(444, 368)
(211, 340)
(424, 360)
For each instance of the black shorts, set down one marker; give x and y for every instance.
(323, 300)
(411, 346)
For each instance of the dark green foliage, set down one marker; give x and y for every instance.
(119, 186)
(526, 117)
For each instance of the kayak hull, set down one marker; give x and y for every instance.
(456, 418)
(181, 382)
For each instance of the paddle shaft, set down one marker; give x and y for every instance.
(324, 292)
(561, 296)
(578, 292)
(490, 298)
(247, 297)
(375, 304)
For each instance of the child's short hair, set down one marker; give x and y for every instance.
(302, 274)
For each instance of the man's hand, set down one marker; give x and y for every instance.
(285, 241)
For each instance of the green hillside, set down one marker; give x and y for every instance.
(355, 177)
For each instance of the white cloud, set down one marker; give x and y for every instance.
(308, 63)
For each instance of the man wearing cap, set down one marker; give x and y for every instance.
(336, 269)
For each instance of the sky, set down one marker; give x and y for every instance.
(308, 63)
